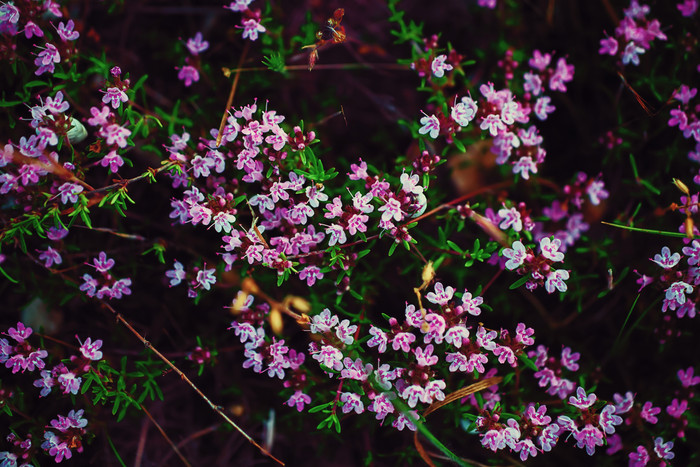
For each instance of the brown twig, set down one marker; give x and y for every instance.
(232, 93)
(215, 408)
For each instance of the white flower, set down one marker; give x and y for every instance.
(516, 255)
(430, 125)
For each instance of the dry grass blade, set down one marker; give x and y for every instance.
(460, 393)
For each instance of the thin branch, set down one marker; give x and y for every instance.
(216, 408)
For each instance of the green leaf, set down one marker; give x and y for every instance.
(519, 282)
(528, 362)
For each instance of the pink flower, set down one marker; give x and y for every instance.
(188, 74)
(251, 28)
(114, 95)
(113, 160)
(115, 134)
(441, 296)
(608, 46)
(298, 399)
(688, 7)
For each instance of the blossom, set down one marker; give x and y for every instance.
(550, 249)
(90, 350)
(677, 292)
(115, 96)
(196, 45)
(608, 46)
(688, 7)
(555, 280)
(431, 125)
(50, 257)
(525, 165)
(115, 134)
(66, 32)
(666, 260)
(649, 413)
(251, 28)
(113, 160)
(686, 377)
(206, 277)
(631, 53)
(543, 107)
(516, 255)
(239, 5)
(439, 67)
(298, 400)
(69, 192)
(663, 450)
(493, 123)
(46, 59)
(441, 296)
(176, 275)
(582, 401)
(188, 74)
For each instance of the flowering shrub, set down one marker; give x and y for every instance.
(340, 220)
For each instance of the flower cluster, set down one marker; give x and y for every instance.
(105, 286)
(432, 63)
(504, 117)
(66, 435)
(444, 332)
(250, 21)
(21, 355)
(687, 118)
(633, 36)
(189, 73)
(538, 267)
(69, 380)
(288, 222)
(678, 282)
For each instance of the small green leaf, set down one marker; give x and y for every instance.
(519, 282)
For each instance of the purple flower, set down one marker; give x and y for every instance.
(663, 450)
(102, 263)
(196, 45)
(298, 399)
(50, 257)
(69, 192)
(188, 74)
(582, 401)
(649, 413)
(66, 32)
(686, 377)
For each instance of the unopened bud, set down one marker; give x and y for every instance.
(275, 319)
(300, 304)
(250, 286)
(681, 186)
